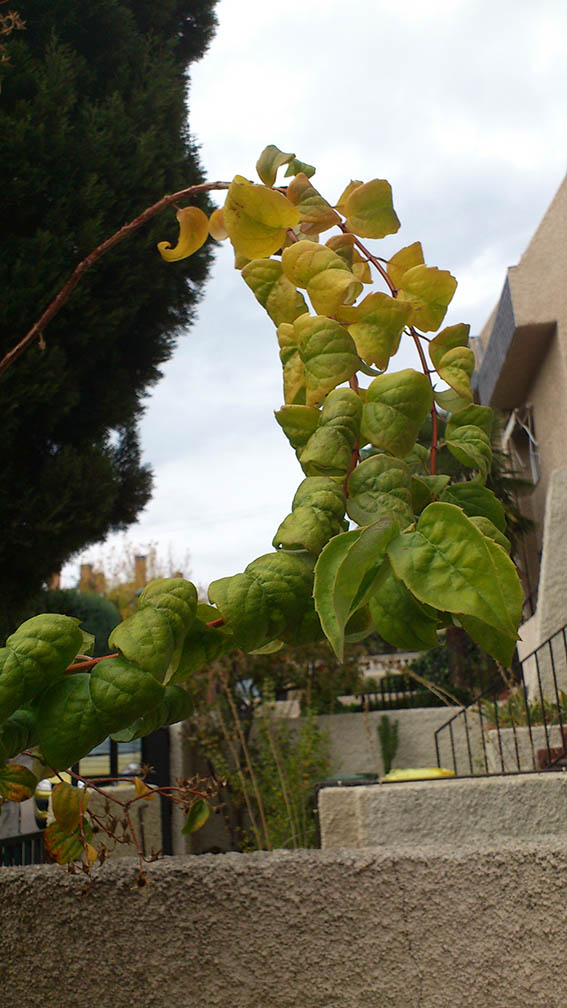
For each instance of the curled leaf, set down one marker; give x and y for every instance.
(269, 161)
(193, 232)
(217, 227)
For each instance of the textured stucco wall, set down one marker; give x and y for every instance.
(483, 926)
(444, 811)
(355, 747)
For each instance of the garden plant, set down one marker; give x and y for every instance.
(378, 537)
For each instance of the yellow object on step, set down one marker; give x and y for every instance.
(420, 773)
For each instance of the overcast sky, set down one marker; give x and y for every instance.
(460, 104)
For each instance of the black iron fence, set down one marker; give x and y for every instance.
(520, 729)
(23, 849)
(397, 691)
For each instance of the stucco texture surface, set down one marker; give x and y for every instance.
(435, 928)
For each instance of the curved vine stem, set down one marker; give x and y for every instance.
(36, 331)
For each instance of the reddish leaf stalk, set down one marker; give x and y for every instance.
(83, 666)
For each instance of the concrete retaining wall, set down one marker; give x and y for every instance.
(436, 928)
(455, 812)
(355, 747)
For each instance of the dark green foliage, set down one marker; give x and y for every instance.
(92, 130)
(388, 738)
(98, 616)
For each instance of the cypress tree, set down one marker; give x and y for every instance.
(93, 128)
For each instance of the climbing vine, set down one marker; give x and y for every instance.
(377, 537)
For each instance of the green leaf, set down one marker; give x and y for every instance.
(399, 617)
(488, 529)
(174, 598)
(328, 451)
(287, 585)
(467, 436)
(269, 161)
(68, 803)
(122, 691)
(18, 732)
(315, 213)
(453, 359)
(197, 816)
(64, 847)
(298, 423)
(328, 355)
(176, 705)
(39, 650)
(69, 723)
(476, 499)
(345, 574)
(429, 291)
(496, 643)
(380, 488)
(402, 261)
(449, 401)
(273, 290)
(146, 638)
(295, 167)
(317, 514)
(243, 606)
(256, 218)
(396, 407)
(376, 325)
(425, 489)
(17, 783)
(417, 460)
(369, 210)
(203, 645)
(87, 643)
(449, 564)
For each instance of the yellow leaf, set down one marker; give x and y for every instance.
(293, 369)
(193, 232)
(217, 228)
(332, 288)
(256, 218)
(429, 291)
(269, 161)
(343, 245)
(325, 275)
(142, 790)
(341, 202)
(369, 210)
(68, 802)
(453, 359)
(402, 261)
(316, 214)
(376, 326)
(91, 853)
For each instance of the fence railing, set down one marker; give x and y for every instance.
(23, 849)
(397, 692)
(523, 731)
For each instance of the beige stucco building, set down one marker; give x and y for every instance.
(522, 371)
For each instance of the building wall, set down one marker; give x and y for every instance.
(426, 927)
